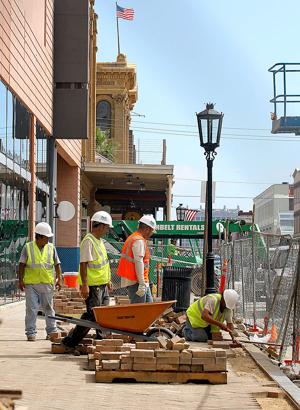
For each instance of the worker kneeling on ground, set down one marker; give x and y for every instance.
(207, 316)
(94, 276)
(135, 261)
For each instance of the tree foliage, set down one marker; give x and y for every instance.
(104, 144)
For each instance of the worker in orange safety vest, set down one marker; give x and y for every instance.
(135, 261)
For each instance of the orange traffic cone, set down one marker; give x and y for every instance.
(223, 276)
(274, 334)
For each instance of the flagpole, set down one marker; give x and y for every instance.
(118, 29)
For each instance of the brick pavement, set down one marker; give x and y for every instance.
(59, 382)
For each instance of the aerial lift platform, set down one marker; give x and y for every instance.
(285, 116)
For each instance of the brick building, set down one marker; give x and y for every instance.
(43, 117)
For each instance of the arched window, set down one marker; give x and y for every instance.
(103, 116)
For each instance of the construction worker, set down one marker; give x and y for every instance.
(94, 276)
(36, 277)
(172, 248)
(135, 261)
(207, 316)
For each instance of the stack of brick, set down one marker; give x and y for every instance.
(69, 301)
(113, 354)
(88, 345)
(122, 300)
(57, 348)
(171, 320)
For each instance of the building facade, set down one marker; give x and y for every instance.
(274, 209)
(222, 213)
(118, 184)
(37, 170)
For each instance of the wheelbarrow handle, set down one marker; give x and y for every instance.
(94, 325)
(79, 322)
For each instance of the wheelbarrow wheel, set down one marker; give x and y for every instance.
(160, 331)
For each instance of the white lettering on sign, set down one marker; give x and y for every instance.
(173, 227)
(165, 227)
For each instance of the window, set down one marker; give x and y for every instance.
(42, 163)
(3, 92)
(42, 206)
(103, 116)
(21, 133)
(9, 125)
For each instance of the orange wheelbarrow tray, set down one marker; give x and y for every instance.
(133, 319)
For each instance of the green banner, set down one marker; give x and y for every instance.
(191, 229)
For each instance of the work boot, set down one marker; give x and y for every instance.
(98, 335)
(31, 338)
(70, 350)
(51, 337)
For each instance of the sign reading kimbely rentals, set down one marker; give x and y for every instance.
(179, 226)
(185, 229)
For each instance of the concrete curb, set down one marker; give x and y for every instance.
(273, 371)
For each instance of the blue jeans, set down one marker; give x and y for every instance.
(197, 334)
(134, 298)
(39, 296)
(98, 296)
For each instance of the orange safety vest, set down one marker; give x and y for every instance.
(126, 266)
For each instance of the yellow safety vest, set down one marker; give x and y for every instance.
(39, 265)
(196, 309)
(98, 270)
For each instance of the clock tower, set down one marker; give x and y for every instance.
(116, 94)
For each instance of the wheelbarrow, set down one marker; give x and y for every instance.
(133, 320)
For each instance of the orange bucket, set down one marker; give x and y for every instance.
(71, 279)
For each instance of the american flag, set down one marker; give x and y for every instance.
(190, 214)
(126, 14)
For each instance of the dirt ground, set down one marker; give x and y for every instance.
(247, 366)
(271, 404)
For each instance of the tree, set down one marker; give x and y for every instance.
(104, 144)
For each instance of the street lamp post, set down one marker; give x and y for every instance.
(209, 125)
(180, 214)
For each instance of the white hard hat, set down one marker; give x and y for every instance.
(231, 298)
(149, 221)
(103, 218)
(42, 228)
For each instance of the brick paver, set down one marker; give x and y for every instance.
(59, 382)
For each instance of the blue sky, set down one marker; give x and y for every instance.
(191, 52)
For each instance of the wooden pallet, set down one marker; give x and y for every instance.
(108, 376)
(10, 393)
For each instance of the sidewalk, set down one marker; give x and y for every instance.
(59, 382)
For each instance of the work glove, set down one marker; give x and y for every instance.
(235, 333)
(141, 290)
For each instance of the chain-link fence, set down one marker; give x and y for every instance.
(9, 258)
(263, 270)
(161, 256)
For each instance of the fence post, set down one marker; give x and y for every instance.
(232, 264)
(243, 280)
(287, 316)
(254, 284)
(296, 320)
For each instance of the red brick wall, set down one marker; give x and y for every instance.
(68, 189)
(26, 54)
